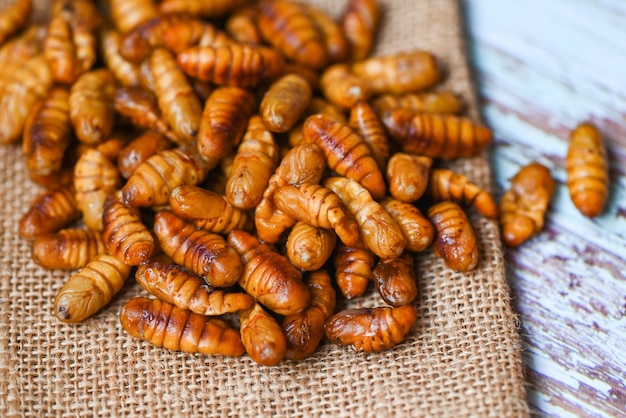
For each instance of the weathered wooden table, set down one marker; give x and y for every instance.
(542, 67)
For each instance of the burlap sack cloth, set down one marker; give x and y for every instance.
(462, 357)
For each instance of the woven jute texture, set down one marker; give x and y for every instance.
(462, 357)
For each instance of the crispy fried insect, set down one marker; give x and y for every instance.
(142, 108)
(417, 230)
(223, 122)
(91, 106)
(353, 269)
(455, 241)
(400, 73)
(317, 105)
(333, 37)
(305, 330)
(343, 88)
(587, 170)
(443, 136)
(89, 290)
(268, 276)
(360, 24)
(207, 210)
(128, 14)
(23, 87)
(151, 182)
(242, 26)
(287, 26)
(67, 249)
(113, 145)
(14, 17)
(346, 152)
(21, 47)
(126, 72)
(318, 206)
(309, 247)
(445, 184)
(126, 237)
(380, 233)
(303, 163)
(201, 252)
(371, 329)
(396, 281)
(523, 206)
(441, 102)
(407, 175)
(60, 51)
(204, 8)
(285, 102)
(180, 36)
(262, 336)
(178, 102)
(146, 77)
(136, 45)
(365, 122)
(95, 176)
(47, 133)
(186, 290)
(139, 150)
(83, 13)
(233, 65)
(50, 211)
(165, 325)
(253, 165)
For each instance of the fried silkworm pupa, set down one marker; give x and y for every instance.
(165, 325)
(455, 241)
(437, 136)
(365, 122)
(346, 152)
(50, 211)
(128, 14)
(318, 206)
(302, 163)
(524, 205)
(154, 179)
(223, 122)
(305, 330)
(360, 24)
(124, 233)
(353, 269)
(252, 167)
(125, 72)
(333, 37)
(23, 86)
(262, 336)
(395, 280)
(318, 105)
(139, 150)
(309, 247)
(268, 276)
(285, 101)
(587, 170)
(14, 17)
(201, 252)
(47, 133)
(407, 175)
(343, 88)
(287, 26)
(142, 108)
(379, 231)
(68, 249)
(242, 26)
(91, 106)
(371, 329)
(90, 289)
(186, 290)
(399, 73)
(84, 13)
(445, 184)
(439, 102)
(203, 8)
(417, 230)
(95, 176)
(208, 210)
(183, 35)
(21, 47)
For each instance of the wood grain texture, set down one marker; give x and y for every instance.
(542, 68)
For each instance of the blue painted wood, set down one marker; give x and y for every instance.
(542, 67)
